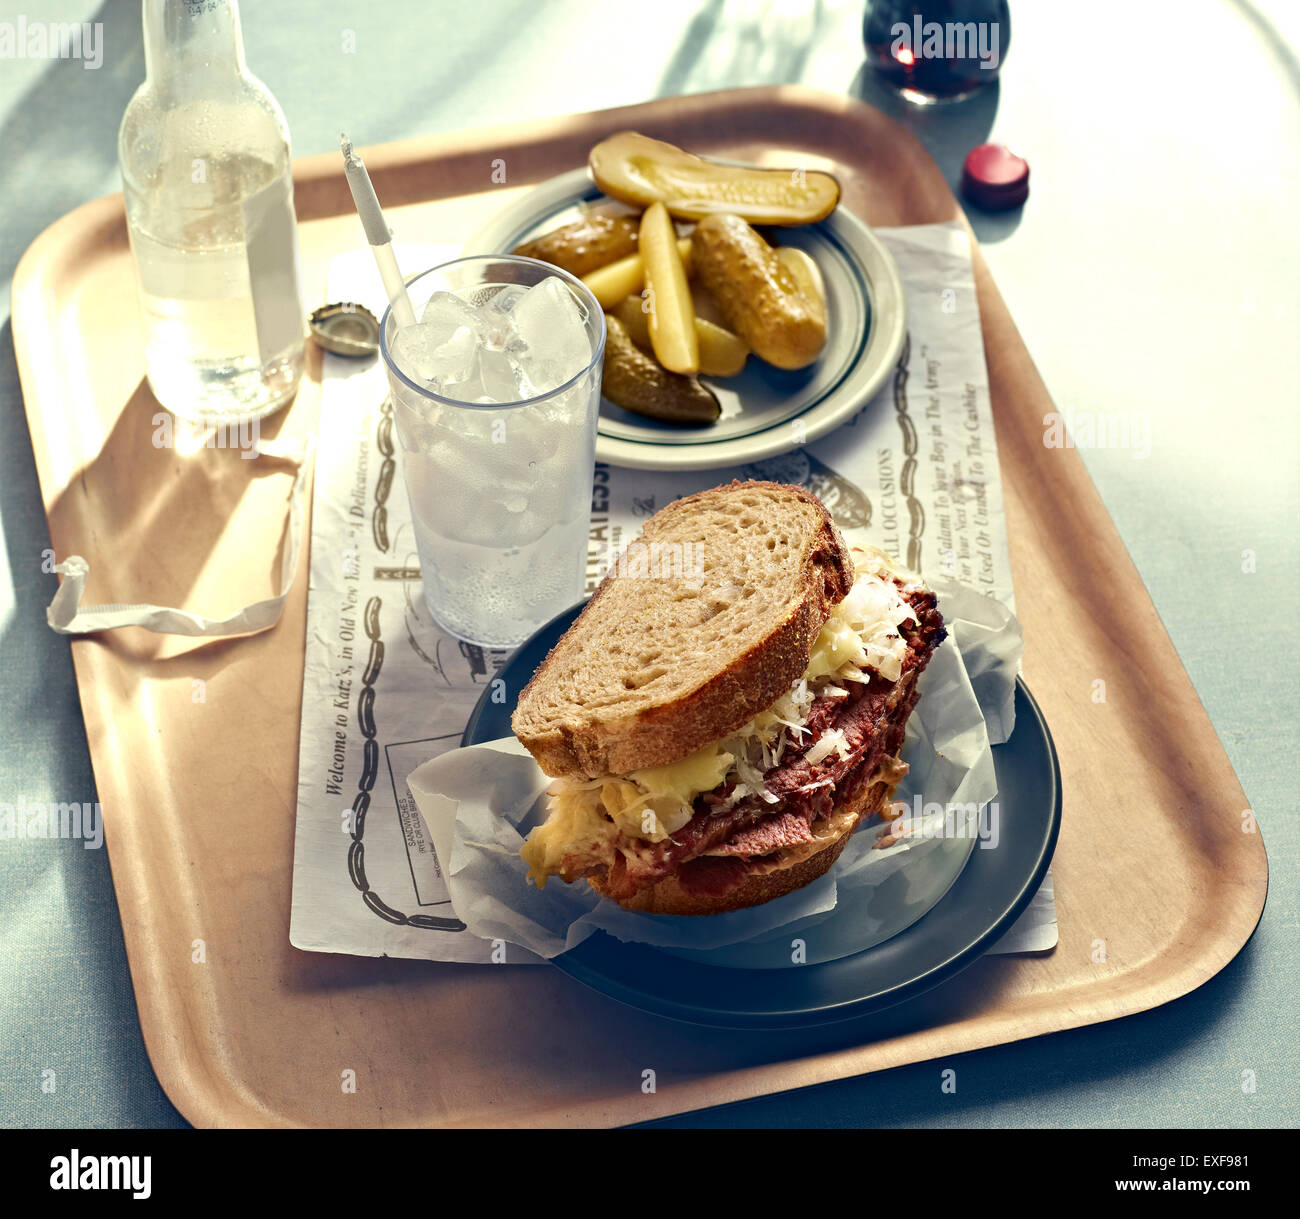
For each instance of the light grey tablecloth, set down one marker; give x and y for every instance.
(1154, 272)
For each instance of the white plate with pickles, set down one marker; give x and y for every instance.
(754, 316)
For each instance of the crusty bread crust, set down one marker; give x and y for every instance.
(613, 741)
(668, 897)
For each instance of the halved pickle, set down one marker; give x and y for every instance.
(638, 170)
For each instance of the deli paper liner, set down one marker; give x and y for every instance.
(917, 466)
(480, 802)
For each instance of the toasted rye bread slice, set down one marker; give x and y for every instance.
(668, 896)
(705, 621)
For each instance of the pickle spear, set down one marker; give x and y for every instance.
(580, 247)
(641, 171)
(722, 354)
(635, 382)
(626, 277)
(672, 313)
(800, 264)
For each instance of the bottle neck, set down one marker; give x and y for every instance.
(191, 41)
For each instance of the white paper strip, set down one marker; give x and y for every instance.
(66, 615)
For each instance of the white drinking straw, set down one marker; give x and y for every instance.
(377, 233)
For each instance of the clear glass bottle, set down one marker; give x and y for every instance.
(204, 153)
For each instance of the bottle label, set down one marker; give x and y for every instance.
(270, 232)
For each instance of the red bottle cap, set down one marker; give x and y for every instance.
(993, 177)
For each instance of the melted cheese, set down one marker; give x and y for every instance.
(650, 804)
(683, 781)
(574, 828)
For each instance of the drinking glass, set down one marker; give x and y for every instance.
(500, 490)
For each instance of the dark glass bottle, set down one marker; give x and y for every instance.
(937, 50)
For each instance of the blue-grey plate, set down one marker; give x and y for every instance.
(990, 893)
(765, 411)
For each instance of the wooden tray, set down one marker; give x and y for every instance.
(198, 781)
